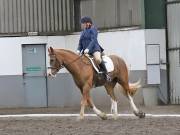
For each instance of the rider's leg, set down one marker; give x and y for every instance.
(97, 57)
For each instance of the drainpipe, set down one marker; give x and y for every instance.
(167, 53)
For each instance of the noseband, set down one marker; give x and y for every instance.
(61, 66)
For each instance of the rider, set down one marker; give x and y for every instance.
(88, 43)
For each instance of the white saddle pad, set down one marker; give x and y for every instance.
(108, 63)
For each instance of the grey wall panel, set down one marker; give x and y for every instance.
(10, 19)
(136, 75)
(31, 18)
(173, 25)
(18, 16)
(62, 92)
(113, 13)
(123, 12)
(23, 16)
(163, 92)
(59, 15)
(173, 15)
(108, 17)
(6, 14)
(26, 15)
(37, 15)
(63, 6)
(47, 15)
(44, 23)
(55, 15)
(68, 15)
(1, 16)
(137, 12)
(51, 7)
(14, 15)
(11, 91)
(22, 23)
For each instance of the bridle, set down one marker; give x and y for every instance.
(62, 65)
(56, 68)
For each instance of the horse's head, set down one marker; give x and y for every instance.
(55, 64)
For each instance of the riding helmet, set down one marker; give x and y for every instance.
(86, 19)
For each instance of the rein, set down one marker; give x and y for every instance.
(71, 61)
(63, 66)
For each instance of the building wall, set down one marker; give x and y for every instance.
(130, 45)
(173, 49)
(121, 13)
(19, 17)
(121, 43)
(157, 36)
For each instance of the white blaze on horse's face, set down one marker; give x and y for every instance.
(54, 66)
(54, 63)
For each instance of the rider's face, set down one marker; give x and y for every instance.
(85, 25)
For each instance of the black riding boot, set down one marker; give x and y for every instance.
(104, 70)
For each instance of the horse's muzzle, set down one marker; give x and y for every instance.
(51, 75)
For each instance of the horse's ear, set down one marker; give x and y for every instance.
(51, 50)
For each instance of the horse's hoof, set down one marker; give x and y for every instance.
(142, 114)
(80, 118)
(103, 116)
(115, 116)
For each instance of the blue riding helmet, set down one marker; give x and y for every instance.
(86, 19)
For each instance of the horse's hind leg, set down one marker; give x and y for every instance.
(110, 90)
(136, 111)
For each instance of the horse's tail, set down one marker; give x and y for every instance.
(130, 88)
(133, 87)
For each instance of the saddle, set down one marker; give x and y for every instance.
(107, 62)
(100, 77)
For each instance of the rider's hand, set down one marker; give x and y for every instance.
(78, 52)
(86, 51)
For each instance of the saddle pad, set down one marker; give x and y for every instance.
(108, 63)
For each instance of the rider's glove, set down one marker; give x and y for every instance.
(86, 51)
(78, 52)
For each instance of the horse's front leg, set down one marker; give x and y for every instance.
(83, 104)
(99, 113)
(84, 100)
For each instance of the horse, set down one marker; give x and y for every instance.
(85, 77)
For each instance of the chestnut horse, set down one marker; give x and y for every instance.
(86, 78)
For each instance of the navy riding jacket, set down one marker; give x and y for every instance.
(88, 40)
